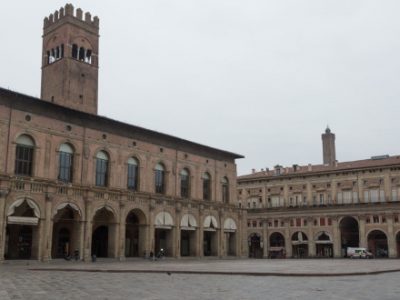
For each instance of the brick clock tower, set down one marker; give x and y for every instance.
(70, 59)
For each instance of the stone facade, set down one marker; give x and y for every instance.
(320, 210)
(74, 182)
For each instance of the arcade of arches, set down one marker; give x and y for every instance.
(325, 241)
(66, 232)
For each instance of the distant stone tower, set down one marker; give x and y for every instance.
(70, 59)
(328, 147)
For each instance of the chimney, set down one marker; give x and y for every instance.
(309, 167)
(253, 171)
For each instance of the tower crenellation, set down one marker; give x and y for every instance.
(70, 12)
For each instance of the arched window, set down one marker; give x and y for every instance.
(24, 155)
(225, 190)
(75, 51)
(81, 53)
(65, 163)
(101, 169)
(206, 186)
(133, 174)
(185, 183)
(160, 179)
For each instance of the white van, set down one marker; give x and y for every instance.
(359, 253)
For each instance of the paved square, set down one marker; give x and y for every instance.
(21, 282)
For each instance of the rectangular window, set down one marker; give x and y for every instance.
(132, 177)
(225, 193)
(322, 221)
(366, 196)
(298, 222)
(65, 170)
(374, 196)
(159, 181)
(23, 160)
(276, 201)
(394, 195)
(101, 172)
(339, 198)
(321, 199)
(184, 186)
(355, 197)
(347, 197)
(382, 195)
(207, 189)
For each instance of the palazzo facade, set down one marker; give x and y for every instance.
(320, 210)
(71, 180)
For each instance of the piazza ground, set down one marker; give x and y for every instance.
(133, 280)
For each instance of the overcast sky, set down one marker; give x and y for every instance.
(259, 78)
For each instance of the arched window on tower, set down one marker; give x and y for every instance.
(133, 174)
(66, 155)
(102, 168)
(206, 186)
(225, 190)
(88, 56)
(81, 54)
(185, 183)
(75, 51)
(24, 155)
(160, 179)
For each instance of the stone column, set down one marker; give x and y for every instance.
(391, 238)
(387, 187)
(177, 233)
(3, 222)
(363, 237)
(81, 238)
(151, 229)
(288, 242)
(200, 246)
(221, 238)
(48, 230)
(337, 244)
(311, 241)
(87, 250)
(265, 239)
(122, 229)
(309, 194)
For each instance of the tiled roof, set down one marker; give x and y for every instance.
(312, 169)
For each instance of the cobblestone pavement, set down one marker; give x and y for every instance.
(18, 282)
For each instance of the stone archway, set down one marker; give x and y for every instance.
(163, 236)
(104, 233)
(378, 244)
(210, 236)
(135, 233)
(299, 245)
(349, 233)
(66, 231)
(230, 229)
(255, 249)
(22, 230)
(276, 245)
(324, 245)
(189, 234)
